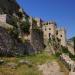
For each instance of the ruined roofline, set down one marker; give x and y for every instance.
(37, 18)
(61, 29)
(50, 22)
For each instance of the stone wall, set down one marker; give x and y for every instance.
(6, 26)
(71, 49)
(62, 36)
(49, 29)
(11, 46)
(6, 42)
(3, 18)
(37, 40)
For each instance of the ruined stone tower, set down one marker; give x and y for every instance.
(50, 29)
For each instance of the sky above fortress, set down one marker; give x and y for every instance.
(61, 11)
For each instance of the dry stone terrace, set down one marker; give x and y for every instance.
(50, 68)
(70, 64)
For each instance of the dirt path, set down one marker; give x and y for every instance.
(50, 68)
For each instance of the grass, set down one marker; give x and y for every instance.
(63, 68)
(25, 69)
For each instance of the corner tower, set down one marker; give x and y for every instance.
(49, 29)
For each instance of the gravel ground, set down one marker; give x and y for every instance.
(50, 68)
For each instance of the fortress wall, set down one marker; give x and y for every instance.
(37, 40)
(49, 30)
(62, 36)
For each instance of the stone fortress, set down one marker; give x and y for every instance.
(36, 40)
(48, 28)
(8, 8)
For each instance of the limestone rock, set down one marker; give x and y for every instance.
(12, 65)
(1, 61)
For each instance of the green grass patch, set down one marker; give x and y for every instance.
(36, 60)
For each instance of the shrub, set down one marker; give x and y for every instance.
(65, 50)
(57, 54)
(49, 40)
(37, 29)
(14, 21)
(20, 14)
(25, 27)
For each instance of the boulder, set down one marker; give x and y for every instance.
(25, 62)
(1, 61)
(12, 65)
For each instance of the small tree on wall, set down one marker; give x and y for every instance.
(25, 26)
(13, 21)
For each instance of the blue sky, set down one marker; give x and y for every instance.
(61, 11)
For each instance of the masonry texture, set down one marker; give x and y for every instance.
(10, 8)
(37, 40)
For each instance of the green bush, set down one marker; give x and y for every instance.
(57, 54)
(14, 21)
(37, 29)
(66, 51)
(49, 40)
(20, 14)
(25, 27)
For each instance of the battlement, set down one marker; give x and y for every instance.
(50, 22)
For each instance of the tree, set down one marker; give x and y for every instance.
(14, 21)
(25, 26)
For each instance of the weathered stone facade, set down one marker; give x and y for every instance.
(50, 29)
(10, 46)
(37, 40)
(8, 8)
(6, 42)
(70, 45)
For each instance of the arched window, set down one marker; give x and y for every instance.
(49, 35)
(49, 28)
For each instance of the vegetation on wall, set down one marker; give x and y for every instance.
(49, 40)
(14, 33)
(37, 29)
(20, 13)
(14, 21)
(25, 26)
(66, 51)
